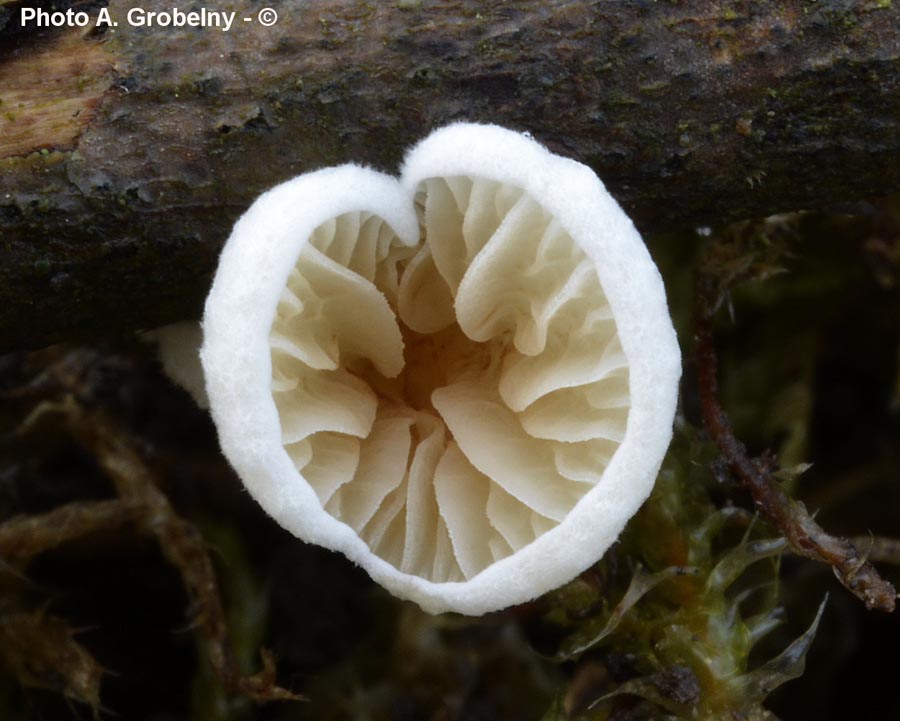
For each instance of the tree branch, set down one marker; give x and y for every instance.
(126, 153)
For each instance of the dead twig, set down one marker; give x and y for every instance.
(40, 650)
(180, 542)
(790, 517)
(66, 399)
(24, 537)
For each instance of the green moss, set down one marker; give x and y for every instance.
(654, 86)
(617, 97)
(699, 590)
(42, 266)
(246, 604)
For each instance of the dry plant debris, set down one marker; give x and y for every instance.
(40, 650)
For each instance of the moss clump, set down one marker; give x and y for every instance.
(687, 594)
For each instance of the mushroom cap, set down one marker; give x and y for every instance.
(179, 347)
(282, 242)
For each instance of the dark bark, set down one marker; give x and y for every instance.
(126, 155)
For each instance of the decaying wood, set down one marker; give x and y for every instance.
(126, 153)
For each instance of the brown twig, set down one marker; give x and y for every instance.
(40, 651)
(180, 542)
(24, 537)
(790, 517)
(66, 397)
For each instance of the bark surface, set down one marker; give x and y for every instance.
(126, 153)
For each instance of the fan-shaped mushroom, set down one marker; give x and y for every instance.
(464, 381)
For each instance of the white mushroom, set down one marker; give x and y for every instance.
(464, 381)
(179, 349)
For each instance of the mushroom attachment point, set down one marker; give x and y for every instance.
(464, 380)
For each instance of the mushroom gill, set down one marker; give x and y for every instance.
(450, 402)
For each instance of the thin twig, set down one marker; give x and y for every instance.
(790, 517)
(24, 537)
(180, 542)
